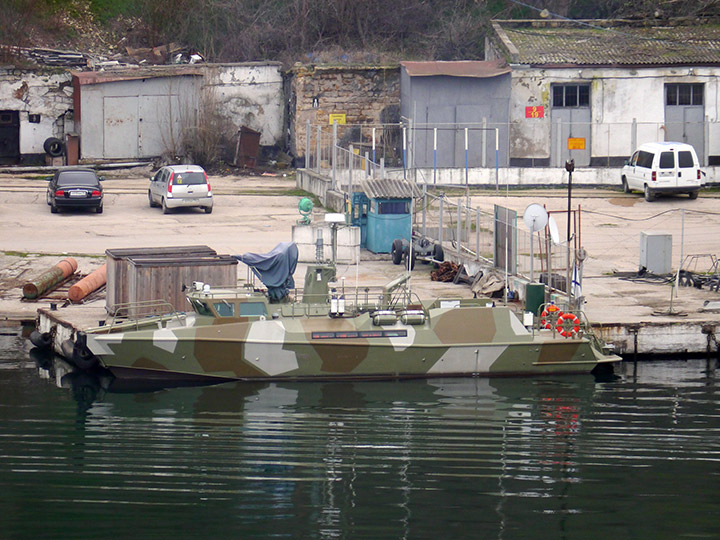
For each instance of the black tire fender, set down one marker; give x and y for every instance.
(41, 340)
(54, 147)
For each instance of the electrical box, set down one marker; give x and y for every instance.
(656, 252)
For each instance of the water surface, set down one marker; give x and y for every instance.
(553, 457)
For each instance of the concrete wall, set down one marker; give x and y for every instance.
(348, 242)
(250, 95)
(503, 177)
(617, 97)
(45, 93)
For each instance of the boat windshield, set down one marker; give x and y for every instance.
(201, 308)
(252, 309)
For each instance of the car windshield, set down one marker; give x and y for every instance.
(77, 178)
(188, 178)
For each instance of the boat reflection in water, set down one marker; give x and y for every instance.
(547, 457)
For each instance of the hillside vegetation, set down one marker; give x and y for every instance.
(308, 31)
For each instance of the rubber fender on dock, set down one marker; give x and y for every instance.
(82, 357)
(42, 340)
(77, 353)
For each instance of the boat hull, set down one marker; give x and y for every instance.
(461, 342)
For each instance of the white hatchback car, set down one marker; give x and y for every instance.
(180, 186)
(663, 167)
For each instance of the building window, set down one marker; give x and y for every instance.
(571, 95)
(684, 94)
(394, 207)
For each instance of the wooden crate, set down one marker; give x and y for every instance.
(163, 278)
(119, 266)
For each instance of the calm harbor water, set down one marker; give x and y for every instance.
(565, 457)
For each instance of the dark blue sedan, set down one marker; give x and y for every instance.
(75, 188)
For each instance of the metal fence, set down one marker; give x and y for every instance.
(411, 146)
(496, 239)
(347, 153)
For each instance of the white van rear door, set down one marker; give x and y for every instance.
(688, 167)
(667, 171)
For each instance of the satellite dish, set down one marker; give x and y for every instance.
(554, 233)
(535, 217)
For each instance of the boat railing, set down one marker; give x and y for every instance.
(562, 320)
(139, 315)
(354, 300)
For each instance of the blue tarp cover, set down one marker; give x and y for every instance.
(275, 268)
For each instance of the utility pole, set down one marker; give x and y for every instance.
(569, 167)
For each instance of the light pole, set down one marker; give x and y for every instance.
(569, 167)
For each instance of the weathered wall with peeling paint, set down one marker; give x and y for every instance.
(44, 93)
(250, 95)
(618, 96)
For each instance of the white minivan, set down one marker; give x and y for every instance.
(663, 167)
(180, 186)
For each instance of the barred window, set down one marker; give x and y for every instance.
(571, 95)
(684, 94)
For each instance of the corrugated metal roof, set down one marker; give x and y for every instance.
(389, 188)
(606, 43)
(132, 74)
(466, 68)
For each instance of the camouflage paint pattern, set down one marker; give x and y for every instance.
(302, 341)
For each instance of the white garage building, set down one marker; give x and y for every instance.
(594, 90)
(144, 112)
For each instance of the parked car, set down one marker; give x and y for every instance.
(75, 188)
(663, 167)
(180, 186)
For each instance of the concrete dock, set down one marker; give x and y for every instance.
(254, 213)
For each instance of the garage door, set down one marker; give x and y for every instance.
(120, 133)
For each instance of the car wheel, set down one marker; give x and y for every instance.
(165, 208)
(397, 251)
(438, 255)
(208, 209)
(47, 198)
(626, 188)
(150, 200)
(693, 195)
(99, 209)
(649, 195)
(53, 207)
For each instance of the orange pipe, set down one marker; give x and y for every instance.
(90, 283)
(49, 279)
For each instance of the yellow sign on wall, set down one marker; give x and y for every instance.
(337, 117)
(576, 143)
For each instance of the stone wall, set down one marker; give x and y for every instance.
(365, 95)
(43, 101)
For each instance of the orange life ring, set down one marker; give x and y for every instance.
(573, 326)
(550, 312)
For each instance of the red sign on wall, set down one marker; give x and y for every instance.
(535, 112)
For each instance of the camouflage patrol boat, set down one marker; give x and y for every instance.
(332, 333)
